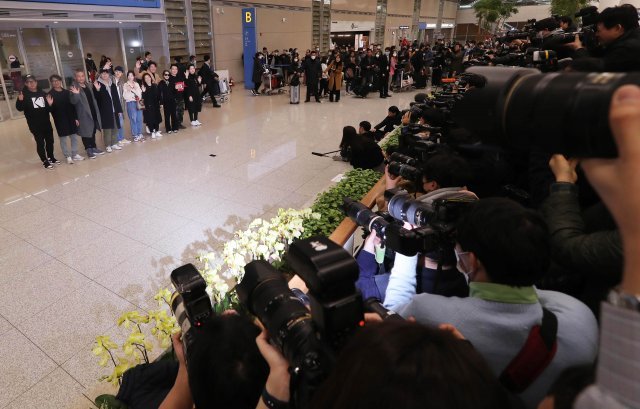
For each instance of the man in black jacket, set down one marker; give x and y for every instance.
(106, 94)
(210, 80)
(368, 67)
(388, 124)
(65, 118)
(312, 73)
(34, 103)
(383, 73)
(619, 36)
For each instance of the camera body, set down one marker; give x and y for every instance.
(190, 303)
(309, 339)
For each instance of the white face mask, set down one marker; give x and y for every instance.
(460, 265)
(313, 57)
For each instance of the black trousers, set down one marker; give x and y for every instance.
(90, 142)
(44, 144)
(170, 118)
(193, 115)
(312, 89)
(383, 85)
(334, 93)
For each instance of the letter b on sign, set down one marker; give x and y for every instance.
(247, 17)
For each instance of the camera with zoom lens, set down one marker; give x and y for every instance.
(404, 166)
(309, 339)
(435, 220)
(190, 303)
(508, 110)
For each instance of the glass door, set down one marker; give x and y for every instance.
(67, 41)
(12, 68)
(40, 56)
(133, 48)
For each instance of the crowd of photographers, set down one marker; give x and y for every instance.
(500, 271)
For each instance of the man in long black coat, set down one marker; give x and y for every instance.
(312, 73)
(210, 80)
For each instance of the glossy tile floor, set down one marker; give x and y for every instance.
(83, 243)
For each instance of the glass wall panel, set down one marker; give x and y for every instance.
(40, 56)
(12, 68)
(133, 47)
(71, 59)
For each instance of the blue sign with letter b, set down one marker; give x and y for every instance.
(249, 44)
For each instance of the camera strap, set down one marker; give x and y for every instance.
(534, 357)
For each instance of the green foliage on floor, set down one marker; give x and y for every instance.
(355, 185)
(109, 402)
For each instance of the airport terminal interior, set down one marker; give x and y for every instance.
(84, 242)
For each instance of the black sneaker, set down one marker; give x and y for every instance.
(182, 126)
(54, 161)
(47, 164)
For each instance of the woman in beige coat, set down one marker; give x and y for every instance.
(335, 78)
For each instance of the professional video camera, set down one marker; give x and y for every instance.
(435, 220)
(309, 339)
(574, 108)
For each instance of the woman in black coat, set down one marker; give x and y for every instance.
(193, 100)
(151, 98)
(167, 93)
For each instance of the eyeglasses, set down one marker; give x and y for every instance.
(166, 75)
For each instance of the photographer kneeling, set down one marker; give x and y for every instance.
(360, 151)
(504, 249)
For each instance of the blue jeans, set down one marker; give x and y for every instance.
(121, 129)
(135, 118)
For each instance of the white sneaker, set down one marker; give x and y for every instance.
(124, 142)
(108, 149)
(158, 133)
(198, 122)
(136, 138)
(153, 135)
(193, 123)
(69, 160)
(116, 147)
(78, 157)
(147, 129)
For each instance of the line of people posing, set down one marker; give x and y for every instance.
(87, 107)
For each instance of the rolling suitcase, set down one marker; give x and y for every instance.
(294, 94)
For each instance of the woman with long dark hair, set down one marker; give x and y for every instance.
(151, 98)
(192, 95)
(360, 151)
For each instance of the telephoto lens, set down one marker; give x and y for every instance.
(404, 207)
(363, 216)
(408, 172)
(523, 109)
(264, 291)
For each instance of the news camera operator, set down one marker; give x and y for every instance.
(444, 176)
(504, 249)
(619, 38)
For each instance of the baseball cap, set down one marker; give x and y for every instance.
(30, 77)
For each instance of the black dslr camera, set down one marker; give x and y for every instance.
(190, 303)
(309, 339)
